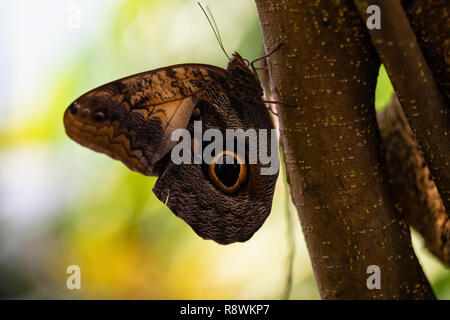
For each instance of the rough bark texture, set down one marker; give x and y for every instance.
(332, 150)
(416, 192)
(415, 88)
(430, 21)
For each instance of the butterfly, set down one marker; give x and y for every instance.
(133, 119)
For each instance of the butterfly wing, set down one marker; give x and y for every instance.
(131, 119)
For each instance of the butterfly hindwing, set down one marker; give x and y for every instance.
(213, 214)
(131, 119)
(189, 190)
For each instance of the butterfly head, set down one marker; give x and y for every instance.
(239, 64)
(243, 77)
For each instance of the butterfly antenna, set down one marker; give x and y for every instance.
(214, 27)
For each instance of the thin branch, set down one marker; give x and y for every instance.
(415, 87)
(290, 238)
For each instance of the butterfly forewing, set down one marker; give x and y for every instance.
(131, 119)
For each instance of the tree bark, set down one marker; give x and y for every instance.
(416, 192)
(415, 88)
(430, 21)
(332, 150)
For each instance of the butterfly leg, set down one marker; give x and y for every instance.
(280, 102)
(277, 102)
(272, 112)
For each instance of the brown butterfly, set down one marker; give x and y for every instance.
(132, 120)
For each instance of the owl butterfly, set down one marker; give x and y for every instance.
(132, 119)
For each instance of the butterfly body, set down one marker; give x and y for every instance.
(132, 120)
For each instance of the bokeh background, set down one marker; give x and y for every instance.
(62, 204)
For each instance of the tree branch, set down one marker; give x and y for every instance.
(332, 150)
(418, 197)
(430, 21)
